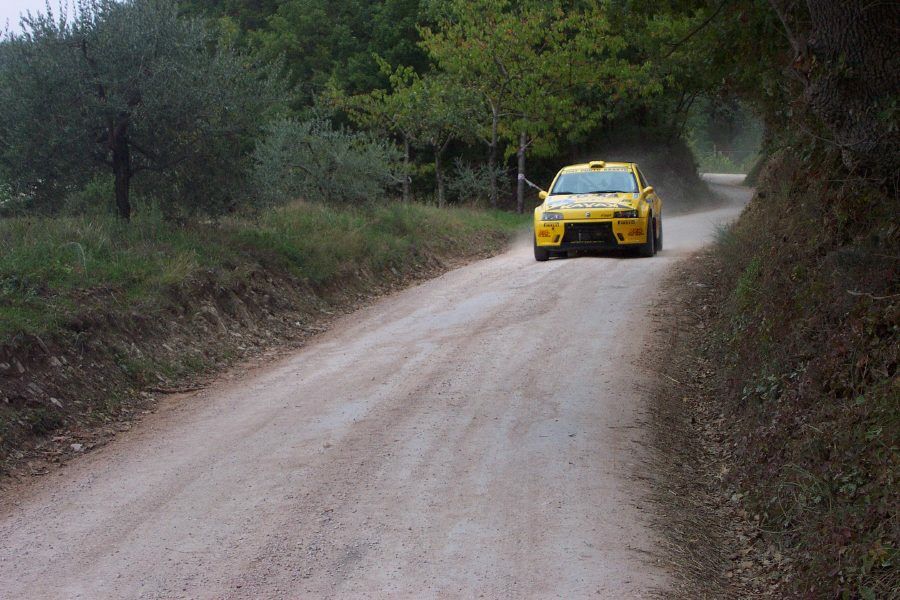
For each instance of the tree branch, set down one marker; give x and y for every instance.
(693, 32)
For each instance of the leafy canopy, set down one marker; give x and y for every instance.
(133, 89)
(550, 69)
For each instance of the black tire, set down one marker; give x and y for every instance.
(659, 238)
(540, 254)
(648, 248)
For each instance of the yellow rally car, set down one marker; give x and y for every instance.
(597, 206)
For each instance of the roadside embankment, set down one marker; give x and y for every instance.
(778, 414)
(99, 316)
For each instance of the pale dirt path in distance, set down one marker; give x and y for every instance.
(473, 436)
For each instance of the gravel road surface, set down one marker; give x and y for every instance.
(479, 435)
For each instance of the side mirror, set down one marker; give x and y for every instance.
(542, 195)
(647, 190)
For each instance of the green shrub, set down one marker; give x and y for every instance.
(95, 198)
(470, 184)
(313, 160)
(132, 90)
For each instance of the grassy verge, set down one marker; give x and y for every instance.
(792, 379)
(49, 267)
(95, 312)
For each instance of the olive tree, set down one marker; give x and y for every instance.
(316, 161)
(127, 88)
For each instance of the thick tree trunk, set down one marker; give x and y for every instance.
(855, 76)
(850, 67)
(121, 165)
(439, 176)
(520, 180)
(406, 192)
(492, 154)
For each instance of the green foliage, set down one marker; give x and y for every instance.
(470, 184)
(423, 111)
(130, 89)
(548, 73)
(724, 135)
(745, 290)
(92, 199)
(12, 203)
(337, 43)
(315, 161)
(718, 162)
(534, 63)
(54, 268)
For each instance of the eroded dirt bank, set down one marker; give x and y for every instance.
(476, 434)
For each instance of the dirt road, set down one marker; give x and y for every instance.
(475, 436)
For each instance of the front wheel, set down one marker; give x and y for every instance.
(540, 254)
(648, 248)
(659, 237)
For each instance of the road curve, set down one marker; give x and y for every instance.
(473, 436)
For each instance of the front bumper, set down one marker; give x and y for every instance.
(593, 234)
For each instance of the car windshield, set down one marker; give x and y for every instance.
(592, 182)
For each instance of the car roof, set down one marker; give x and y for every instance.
(586, 166)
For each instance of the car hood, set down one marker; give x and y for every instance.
(610, 200)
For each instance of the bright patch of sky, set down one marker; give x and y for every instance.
(11, 10)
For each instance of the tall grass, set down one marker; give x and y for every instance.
(49, 267)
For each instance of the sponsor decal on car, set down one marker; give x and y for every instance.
(586, 204)
(586, 169)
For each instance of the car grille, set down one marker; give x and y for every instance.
(589, 233)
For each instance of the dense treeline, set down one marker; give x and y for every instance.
(178, 99)
(185, 103)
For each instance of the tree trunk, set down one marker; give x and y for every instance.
(406, 192)
(520, 181)
(492, 154)
(855, 76)
(121, 165)
(439, 176)
(850, 68)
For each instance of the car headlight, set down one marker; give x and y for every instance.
(551, 216)
(626, 214)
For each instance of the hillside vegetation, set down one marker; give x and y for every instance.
(779, 415)
(786, 395)
(53, 269)
(807, 343)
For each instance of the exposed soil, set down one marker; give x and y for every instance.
(482, 433)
